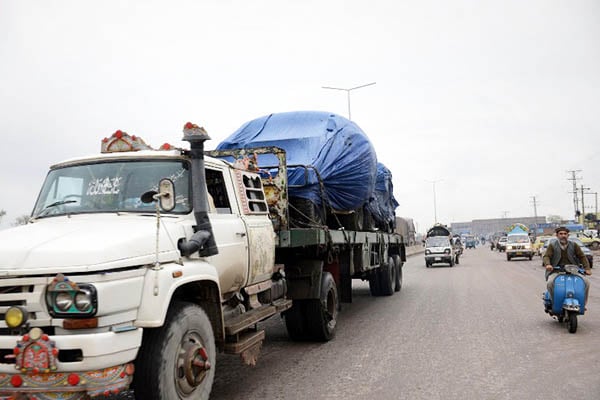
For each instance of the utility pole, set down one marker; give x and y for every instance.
(434, 200)
(535, 214)
(583, 204)
(575, 200)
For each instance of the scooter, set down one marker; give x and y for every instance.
(569, 296)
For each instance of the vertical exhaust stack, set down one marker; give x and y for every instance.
(203, 239)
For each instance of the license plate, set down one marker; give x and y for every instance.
(438, 259)
(519, 253)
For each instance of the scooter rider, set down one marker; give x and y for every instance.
(562, 252)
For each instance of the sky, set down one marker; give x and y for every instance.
(494, 101)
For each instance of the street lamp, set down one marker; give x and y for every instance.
(348, 93)
(434, 200)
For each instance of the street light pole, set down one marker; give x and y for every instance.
(348, 90)
(434, 200)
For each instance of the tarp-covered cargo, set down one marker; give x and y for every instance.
(337, 148)
(438, 230)
(383, 204)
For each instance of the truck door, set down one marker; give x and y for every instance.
(229, 230)
(255, 214)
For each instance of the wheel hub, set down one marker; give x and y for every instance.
(195, 363)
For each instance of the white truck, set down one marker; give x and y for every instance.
(139, 265)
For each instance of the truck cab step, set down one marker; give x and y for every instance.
(243, 321)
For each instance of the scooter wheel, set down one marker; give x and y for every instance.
(572, 322)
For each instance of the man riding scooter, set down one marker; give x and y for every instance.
(562, 252)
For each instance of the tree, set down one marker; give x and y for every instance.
(2, 214)
(22, 220)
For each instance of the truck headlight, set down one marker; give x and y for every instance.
(83, 299)
(427, 252)
(67, 299)
(63, 301)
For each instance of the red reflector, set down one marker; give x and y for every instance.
(80, 323)
(73, 379)
(16, 380)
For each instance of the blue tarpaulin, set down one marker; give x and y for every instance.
(336, 147)
(383, 204)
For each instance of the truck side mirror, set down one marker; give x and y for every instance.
(165, 195)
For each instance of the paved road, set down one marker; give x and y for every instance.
(474, 331)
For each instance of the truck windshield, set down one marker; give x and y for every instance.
(518, 239)
(437, 241)
(110, 187)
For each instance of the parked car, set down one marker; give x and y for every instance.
(501, 245)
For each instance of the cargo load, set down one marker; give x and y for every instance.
(330, 160)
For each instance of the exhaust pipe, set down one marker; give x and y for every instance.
(203, 239)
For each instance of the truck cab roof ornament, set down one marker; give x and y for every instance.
(122, 141)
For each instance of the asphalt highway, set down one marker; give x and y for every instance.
(474, 331)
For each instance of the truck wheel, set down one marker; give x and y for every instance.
(507, 257)
(595, 245)
(321, 314)
(398, 267)
(374, 283)
(295, 321)
(177, 360)
(387, 278)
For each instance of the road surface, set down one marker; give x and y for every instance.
(474, 331)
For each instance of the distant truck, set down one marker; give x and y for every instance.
(139, 265)
(406, 228)
(439, 247)
(518, 242)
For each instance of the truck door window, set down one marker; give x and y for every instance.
(215, 184)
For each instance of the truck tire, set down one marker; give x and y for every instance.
(295, 321)
(321, 314)
(374, 283)
(163, 368)
(398, 266)
(387, 278)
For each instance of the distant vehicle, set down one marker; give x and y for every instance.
(439, 248)
(539, 243)
(470, 242)
(588, 253)
(545, 244)
(587, 240)
(501, 245)
(518, 245)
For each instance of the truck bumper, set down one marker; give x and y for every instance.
(104, 371)
(438, 258)
(109, 383)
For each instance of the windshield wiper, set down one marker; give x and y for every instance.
(56, 203)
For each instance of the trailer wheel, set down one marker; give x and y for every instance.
(387, 278)
(295, 321)
(398, 266)
(321, 314)
(177, 360)
(374, 283)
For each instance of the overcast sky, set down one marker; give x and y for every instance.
(494, 100)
